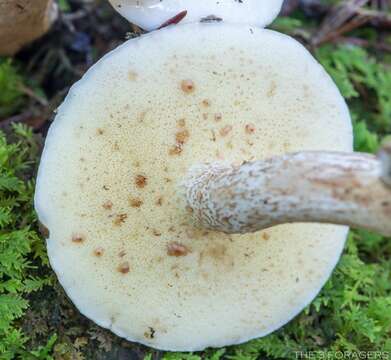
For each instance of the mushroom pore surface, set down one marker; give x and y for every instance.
(150, 14)
(109, 187)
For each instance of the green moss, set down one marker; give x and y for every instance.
(363, 81)
(11, 98)
(22, 253)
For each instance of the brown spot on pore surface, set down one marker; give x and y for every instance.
(187, 86)
(140, 181)
(189, 209)
(135, 202)
(225, 130)
(175, 150)
(78, 238)
(181, 122)
(150, 333)
(124, 267)
(250, 129)
(181, 137)
(272, 89)
(98, 251)
(156, 232)
(286, 146)
(265, 236)
(107, 205)
(116, 146)
(142, 116)
(132, 75)
(387, 207)
(218, 117)
(122, 253)
(213, 138)
(176, 249)
(217, 252)
(99, 131)
(206, 102)
(159, 201)
(120, 219)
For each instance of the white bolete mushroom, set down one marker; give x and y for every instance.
(151, 14)
(23, 21)
(122, 186)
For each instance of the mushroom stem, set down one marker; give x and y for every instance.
(325, 187)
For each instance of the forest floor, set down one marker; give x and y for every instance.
(352, 39)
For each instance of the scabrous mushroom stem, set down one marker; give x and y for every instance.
(326, 187)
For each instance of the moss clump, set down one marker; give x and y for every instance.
(11, 97)
(365, 83)
(22, 253)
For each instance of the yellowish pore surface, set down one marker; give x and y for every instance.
(115, 158)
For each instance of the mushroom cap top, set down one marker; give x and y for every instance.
(150, 14)
(22, 23)
(109, 187)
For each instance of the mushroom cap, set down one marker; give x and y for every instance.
(109, 187)
(150, 14)
(23, 22)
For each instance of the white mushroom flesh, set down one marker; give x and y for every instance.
(150, 14)
(109, 187)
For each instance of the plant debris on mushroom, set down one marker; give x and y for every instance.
(256, 95)
(151, 14)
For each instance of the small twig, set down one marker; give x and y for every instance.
(289, 6)
(378, 18)
(382, 5)
(314, 8)
(363, 43)
(36, 116)
(19, 118)
(333, 35)
(67, 64)
(31, 94)
(341, 19)
(77, 15)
